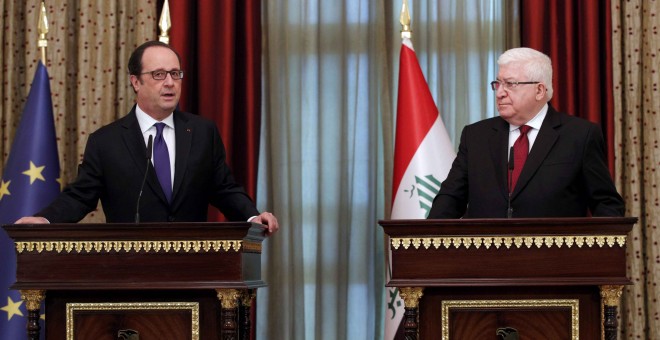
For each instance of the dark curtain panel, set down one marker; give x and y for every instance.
(220, 47)
(577, 36)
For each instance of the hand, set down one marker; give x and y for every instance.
(268, 220)
(32, 220)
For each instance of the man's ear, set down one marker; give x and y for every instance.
(541, 90)
(135, 82)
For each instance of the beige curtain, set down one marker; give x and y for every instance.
(636, 59)
(89, 43)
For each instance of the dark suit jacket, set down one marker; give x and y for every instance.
(565, 175)
(114, 165)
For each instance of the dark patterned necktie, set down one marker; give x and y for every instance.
(520, 151)
(162, 162)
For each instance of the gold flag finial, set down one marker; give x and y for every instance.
(164, 23)
(43, 29)
(404, 19)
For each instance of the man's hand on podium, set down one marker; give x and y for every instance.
(268, 220)
(31, 220)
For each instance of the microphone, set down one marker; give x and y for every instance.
(509, 211)
(150, 146)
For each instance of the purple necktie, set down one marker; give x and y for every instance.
(162, 162)
(520, 151)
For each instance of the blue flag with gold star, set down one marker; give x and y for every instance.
(30, 181)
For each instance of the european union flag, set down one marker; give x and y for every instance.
(30, 181)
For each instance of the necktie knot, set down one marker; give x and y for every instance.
(524, 129)
(159, 129)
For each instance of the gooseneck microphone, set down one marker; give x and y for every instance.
(150, 146)
(509, 210)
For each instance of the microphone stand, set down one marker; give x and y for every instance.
(150, 145)
(509, 210)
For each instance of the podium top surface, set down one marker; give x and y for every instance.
(509, 226)
(138, 256)
(508, 252)
(142, 230)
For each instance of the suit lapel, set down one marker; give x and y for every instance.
(499, 141)
(183, 132)
(544, 142)
(134, 142)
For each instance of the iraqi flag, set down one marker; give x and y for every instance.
(423, 155)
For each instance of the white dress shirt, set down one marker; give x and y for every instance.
(535, 124)
(147, 127)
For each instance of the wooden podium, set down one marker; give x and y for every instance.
(548, 278)
(146, 281)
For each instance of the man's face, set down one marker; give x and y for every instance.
(519, 104)
(158, 98)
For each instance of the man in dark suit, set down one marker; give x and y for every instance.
(189, 169)
(558, 170)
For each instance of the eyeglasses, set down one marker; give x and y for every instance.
(162, 74)
(509, 85)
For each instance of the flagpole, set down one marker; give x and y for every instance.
(423, 154)
(404, 19)
(43, 30)
(165, 23)
(393, 297)
(34, 298)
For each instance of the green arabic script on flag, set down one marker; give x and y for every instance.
(427, 188)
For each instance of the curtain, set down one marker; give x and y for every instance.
(457, 44)
(324, 85)
(220, 47)
(330, 71)
(89, 43)
(576, 35)
(636, 80)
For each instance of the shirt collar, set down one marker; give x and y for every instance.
(535, 122)
(146, 121)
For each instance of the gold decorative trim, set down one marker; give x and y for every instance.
(411, 296)
(508, 241)
(33, 298)
(71, 308)
(247, 296)
(228, 297)
(166, 246)
(611, 295)
(573, 304)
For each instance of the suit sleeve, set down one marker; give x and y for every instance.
(451, 201)
(81, 196)
(604, 200)
(228, 196)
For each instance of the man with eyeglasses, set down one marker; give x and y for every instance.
(531, 161)
(185, 173)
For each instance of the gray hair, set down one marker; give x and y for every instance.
(536, 65)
